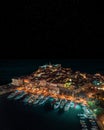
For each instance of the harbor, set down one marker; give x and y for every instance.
(87, 119)
(51, 95)
(66, 118)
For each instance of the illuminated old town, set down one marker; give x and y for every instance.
(63, 89)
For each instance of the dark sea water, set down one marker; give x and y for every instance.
(14, 115)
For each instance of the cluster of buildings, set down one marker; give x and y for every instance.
(60, 80)
(76, 86)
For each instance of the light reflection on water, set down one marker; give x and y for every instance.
(49, 118)
(15, 115)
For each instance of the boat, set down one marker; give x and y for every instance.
(38, 99)
(63, 102)
(40, 96)
(82, 121)
(12, 95)
(22, 93)
(95, 127)
(72, 104)
(57, 104)
(52, 101)
(67, 106)
(84, 125)
(81, 115)
(42, 101)
(32, 99)
(26, 99)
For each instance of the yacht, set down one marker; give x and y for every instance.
(38, 99)
(12, 95)
(26, 99)
(96, 127)
(72, 104)
(84, 125)
(42, 101)
(82, 122)
(57, 104)
(32, 99)
(22, 93)
(63, 102)
(81, 115)
(67, 106)
(52, 101)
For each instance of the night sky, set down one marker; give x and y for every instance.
(51, 29)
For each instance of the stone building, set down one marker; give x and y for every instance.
(17, 82)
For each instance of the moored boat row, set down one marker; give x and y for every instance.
(20, 95)
(14, 94)
(39, 99)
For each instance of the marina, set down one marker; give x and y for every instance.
(69, 114)
(42, 98)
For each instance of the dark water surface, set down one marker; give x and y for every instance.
(15, 115)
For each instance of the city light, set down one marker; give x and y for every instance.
(61, 83)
